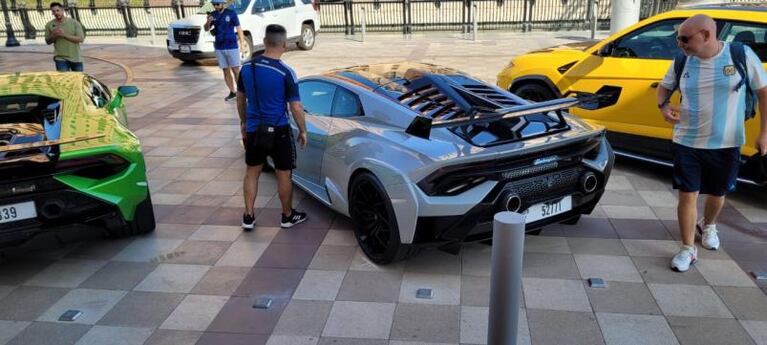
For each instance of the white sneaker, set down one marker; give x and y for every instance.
(709, 238)
(682, 260)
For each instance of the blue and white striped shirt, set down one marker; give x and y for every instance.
(712, 112)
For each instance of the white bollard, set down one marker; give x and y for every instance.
(364, 20)
(474, 22)
(151, 24)
(505, 278)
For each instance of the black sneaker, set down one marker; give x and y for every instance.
(231, 96)
(248, 222)
(294, 218)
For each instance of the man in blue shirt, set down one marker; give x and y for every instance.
(264, 89)
(225, 22)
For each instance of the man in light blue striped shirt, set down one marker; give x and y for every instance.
(708, 128)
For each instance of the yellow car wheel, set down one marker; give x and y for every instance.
(534, 92)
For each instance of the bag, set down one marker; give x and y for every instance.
(738, 55)
(755, 169)
(263, 138)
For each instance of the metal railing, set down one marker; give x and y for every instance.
(405, 16)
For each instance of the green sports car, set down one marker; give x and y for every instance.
(68, 159)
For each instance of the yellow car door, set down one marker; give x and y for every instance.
(629, 67)
(753, 34)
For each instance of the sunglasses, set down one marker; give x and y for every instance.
(686, 39)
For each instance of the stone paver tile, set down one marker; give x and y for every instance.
(100, 249)
(292, 340)
(198, 253)
(475, 291)
(28, 303)
(211, 338)
(181, 187)
(216, 233)
(474, 326)
(93, 303)
(656, 248)
(607, 267)
(659, 198)
(195, 313)
(596, 246)
(434, 262)
(358, 341)
(619, 182)
(221, 281)
(172, 231)
(223, 188)
(5, 290)
(279, 255)
(170, 337)
(446, 289)
(169, 199)
(640, 229)
(16, 272)
(333, 257)
(360, 320)
(49, 333)
(119, 275)
(628, 212)
(99, 335)
(190, 215)
(242, 254)
(622, 198)
(66, 273)
(476, 259)
(563, 327)
(270, 281)
(319, 285)
(433, 323)
(10, 329)
(239, 316)
(148, 249)
(173, 278)
(546, 244)
(555, 294)
(339, 238)
(360, 262)
(627, 329)
(689, 300)
(142, 309)
(260, 234)
(591, 226)
(620, 297)
(555, 266)
(305, 318)
(757, 330)
(370, 287)
(724, 273)
(658, 270)
(665, 213)
(306, 236)
(707, 330)
(744, 303)
(199, 174)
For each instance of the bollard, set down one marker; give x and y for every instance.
(505, 278)
(364, 20)
(594, 17)
(474, 22)
(151, 24)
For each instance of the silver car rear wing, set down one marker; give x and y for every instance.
(421, 126)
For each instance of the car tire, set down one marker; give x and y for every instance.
(247, 54)
(143, 221)
(307, 38)
(375, 223)
(534, 92)
(187, 61)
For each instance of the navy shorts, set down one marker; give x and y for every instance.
(283, 151)
(708, 171)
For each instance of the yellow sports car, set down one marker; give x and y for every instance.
(626, 69)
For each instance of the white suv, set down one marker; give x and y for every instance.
(187, 41)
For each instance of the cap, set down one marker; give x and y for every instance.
(217, 1)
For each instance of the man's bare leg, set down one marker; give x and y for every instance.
(250, 187)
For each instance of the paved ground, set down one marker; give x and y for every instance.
(195, 279)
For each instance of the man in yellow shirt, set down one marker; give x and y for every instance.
(65, 34)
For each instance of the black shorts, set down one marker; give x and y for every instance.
(708, 171)
(283, 151)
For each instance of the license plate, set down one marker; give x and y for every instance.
(549, 208)
(185, 49)
(20, 211)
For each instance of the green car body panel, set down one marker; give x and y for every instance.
(104, 126)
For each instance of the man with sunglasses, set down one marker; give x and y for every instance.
(225, 22)
(708, 128)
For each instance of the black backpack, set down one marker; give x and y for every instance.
(738, 54)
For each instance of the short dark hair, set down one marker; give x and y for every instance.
(276, 36)
(56, 4)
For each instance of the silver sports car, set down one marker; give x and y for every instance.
(422, 155)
